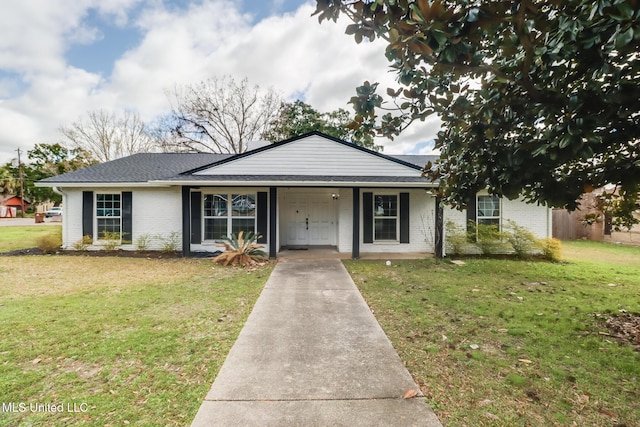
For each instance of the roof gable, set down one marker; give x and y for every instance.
(312, 154)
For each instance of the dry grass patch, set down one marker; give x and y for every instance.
(22, 237)
(583, 250)
(137, 341)
(62, 275)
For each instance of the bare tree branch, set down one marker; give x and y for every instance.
(220, 115)
(108, 137)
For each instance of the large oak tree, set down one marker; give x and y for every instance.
(539, 99)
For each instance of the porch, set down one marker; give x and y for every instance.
(344, 222)
(331, 252)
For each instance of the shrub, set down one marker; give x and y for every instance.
(457, 239)
(110, 240)
(83, 244)
(551, 249)
(489, 239)
(170, 242)
(523, 241)
(50, 243)
(142, 242)
(240, 249)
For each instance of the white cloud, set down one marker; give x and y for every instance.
(291, 53)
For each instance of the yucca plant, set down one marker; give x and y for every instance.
(240, 249)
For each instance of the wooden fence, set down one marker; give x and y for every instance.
(569, 226)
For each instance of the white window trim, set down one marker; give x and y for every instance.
(397, 218)
(96, 237)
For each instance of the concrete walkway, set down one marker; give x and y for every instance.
(312, 354)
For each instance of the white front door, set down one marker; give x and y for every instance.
(297, 222)
(311, 220)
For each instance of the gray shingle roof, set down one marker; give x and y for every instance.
(144, 167)
(416, 159)
(139, 168)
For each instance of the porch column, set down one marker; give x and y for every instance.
(273, 222)
(186, 221)
(355, 245)
(439, 229)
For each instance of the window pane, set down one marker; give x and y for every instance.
(215, 205)
(495, 222)
(488, 206)
(243, 224)
(108, 225)
(215, 228)
(386, 206)
(107, 205)
(243, 204)
(385, 229)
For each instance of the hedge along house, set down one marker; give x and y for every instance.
(304, 192)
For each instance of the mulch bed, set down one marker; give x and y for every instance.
(117, 253)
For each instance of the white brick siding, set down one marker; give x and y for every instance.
(72, 217)
(156, 213)
(535, 218)
(421, 223)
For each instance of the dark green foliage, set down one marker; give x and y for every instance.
(538, 98)
(43, 161)
(297, 118)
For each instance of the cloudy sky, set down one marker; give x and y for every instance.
(60, 59)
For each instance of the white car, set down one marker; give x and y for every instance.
(54, 211)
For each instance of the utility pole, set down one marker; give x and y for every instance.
(21, 185)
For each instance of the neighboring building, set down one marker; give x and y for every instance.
(9, 204)
(588, 222)
(312, 190)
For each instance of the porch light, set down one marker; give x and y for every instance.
(335, 196)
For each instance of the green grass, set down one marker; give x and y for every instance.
(24, 237)
(542, 356)
(130, 341)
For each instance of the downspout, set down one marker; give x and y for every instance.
(65, 217)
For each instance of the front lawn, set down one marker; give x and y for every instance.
(24, 237)
(116, 341)
(515, 343)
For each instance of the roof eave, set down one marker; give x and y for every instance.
(202, 183)
(104, 184)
